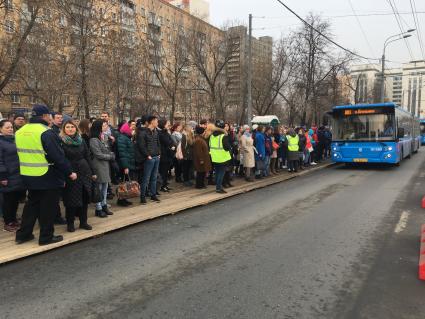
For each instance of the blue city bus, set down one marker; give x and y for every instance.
(373, 133)
(422, 123)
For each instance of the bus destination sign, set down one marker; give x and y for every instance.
(361, 112)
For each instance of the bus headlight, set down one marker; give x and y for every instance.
(390, 148)
(389, 155)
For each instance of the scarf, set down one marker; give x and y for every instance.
(75, 140)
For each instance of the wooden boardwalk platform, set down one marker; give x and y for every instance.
(177, 201)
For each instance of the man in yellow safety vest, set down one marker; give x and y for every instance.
(220, 154)
(43, 168)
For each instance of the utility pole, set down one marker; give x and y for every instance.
(383, 79)
(249, 111)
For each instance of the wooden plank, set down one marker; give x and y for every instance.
(123, 217)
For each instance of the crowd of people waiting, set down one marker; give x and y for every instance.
(54, 157)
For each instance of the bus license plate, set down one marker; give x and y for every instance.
(360, 160)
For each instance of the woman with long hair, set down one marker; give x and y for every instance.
(176, 136)
(187, 150)
(101, 155)
(84, 128)
(77, 193)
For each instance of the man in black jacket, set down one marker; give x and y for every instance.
(148, 146)
(43, 189)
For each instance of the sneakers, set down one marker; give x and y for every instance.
(313, 163)
(221, 191)
(11, 227)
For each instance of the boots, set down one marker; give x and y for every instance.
(100, 213)
(106, 210)
(70, 228)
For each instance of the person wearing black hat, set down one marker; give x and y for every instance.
(220, 147)
(43, 168)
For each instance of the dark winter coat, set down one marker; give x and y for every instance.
(167, 153)
(268, 144)
(302, 143)
(201, 155)
(126, 152)
(79, 157)
(60, 168)
(9, 165)
(147, 143)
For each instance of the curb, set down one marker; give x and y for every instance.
(132, 216)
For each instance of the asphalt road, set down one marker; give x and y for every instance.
(325, 245)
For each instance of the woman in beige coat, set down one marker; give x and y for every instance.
(247, 152)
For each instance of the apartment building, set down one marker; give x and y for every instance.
(403, 86)
(262, 56)
(198, 8)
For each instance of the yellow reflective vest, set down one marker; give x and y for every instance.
(293, 143)
(32, 157)
(217, 151)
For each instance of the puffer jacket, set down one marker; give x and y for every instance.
(9, 165)
(126, 152)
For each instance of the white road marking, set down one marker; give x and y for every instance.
(402, 223)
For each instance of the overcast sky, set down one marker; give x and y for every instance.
(271, 18)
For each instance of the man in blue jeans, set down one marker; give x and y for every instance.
(148, 144)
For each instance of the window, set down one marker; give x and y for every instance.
(33, 99)
(66, 101)
(47, 14)
(9, 26)
(15, 97)
(8, 4)
(143, 12)
(62, 21)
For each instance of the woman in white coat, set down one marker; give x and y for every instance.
(247, 152)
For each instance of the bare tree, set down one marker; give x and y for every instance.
(268, 83)
(170, 64)
(13, 45)
(210, 54)
(89, 23)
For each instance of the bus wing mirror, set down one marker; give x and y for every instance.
(400, 132)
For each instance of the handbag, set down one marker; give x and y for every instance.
(128, 189)
(95, 196)
(275, 145)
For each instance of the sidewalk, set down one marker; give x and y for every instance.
(180, 199)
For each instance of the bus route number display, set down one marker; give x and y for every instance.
(361, 112)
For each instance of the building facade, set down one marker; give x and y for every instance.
(198, 8)
(403, 86)
(262, 60)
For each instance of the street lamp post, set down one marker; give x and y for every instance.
(390, 39)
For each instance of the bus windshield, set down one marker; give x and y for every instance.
(372, 127)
